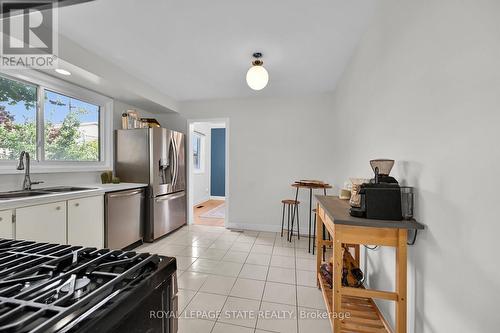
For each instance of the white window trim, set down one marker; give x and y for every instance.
(202, 156)
(44, 81)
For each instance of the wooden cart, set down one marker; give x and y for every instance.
(353, 309)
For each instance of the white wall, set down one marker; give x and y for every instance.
(424, 88)
(273, 142)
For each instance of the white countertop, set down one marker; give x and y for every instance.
(96, 189)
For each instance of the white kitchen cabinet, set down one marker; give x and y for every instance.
(6, 225)
(43, 223)
(86, 221)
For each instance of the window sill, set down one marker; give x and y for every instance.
(11, 170)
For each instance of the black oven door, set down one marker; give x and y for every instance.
(150, 306)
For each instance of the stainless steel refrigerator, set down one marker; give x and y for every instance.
(155, 156)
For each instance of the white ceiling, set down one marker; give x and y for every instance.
(199, 49)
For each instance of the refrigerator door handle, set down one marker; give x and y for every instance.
(176, 164)
(171, 161)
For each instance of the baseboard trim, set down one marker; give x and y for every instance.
(258, 227)
(217, 198)
(253, 227)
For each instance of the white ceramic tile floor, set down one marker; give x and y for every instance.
(280, 293)
(306, 278)
(216, 284)
(281, 275)
(184, 297)
(246, 288)
(283, 262)
(258, 259)
(235, 256)
(264, 249)
(239, 304)
(241, 275)
(256, 272)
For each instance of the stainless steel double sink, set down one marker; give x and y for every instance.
(41, 191)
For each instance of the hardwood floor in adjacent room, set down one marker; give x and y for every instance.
(204, 207)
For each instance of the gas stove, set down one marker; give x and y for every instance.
(63, 288)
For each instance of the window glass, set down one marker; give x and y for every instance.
(17, 118)
(71, 128)
(197, 152)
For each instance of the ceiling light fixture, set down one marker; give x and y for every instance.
(62, 71)
(257, 76)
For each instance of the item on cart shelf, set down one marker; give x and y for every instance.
(326, 271)
(352, 276)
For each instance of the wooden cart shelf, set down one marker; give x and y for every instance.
(364, 315)
(352, 310)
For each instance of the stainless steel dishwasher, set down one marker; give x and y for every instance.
(124, 218)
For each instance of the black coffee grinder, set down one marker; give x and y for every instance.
(382, 168)
(381, 198)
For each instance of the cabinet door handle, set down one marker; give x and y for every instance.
(1, 219)
(77, 204)
(58, 208)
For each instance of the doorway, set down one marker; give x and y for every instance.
(208, 194)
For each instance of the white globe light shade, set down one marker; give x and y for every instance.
(257, 77)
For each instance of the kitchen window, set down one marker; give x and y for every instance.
(198, 152)
(63, 127)
(71, 128)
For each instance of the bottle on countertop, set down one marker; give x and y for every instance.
(124, 121)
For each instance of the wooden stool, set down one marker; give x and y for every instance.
(292, 208)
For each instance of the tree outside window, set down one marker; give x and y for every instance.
(17, 118)
(71, 126)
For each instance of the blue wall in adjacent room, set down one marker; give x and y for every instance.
(218, 163)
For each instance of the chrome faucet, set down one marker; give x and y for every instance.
(27, 180)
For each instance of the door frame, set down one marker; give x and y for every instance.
(190, 124)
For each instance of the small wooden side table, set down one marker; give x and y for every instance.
(333, 214)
